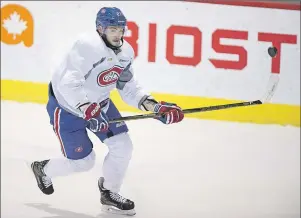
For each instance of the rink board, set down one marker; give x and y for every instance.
(192, 62)
(262, 114)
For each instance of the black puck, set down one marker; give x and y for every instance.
(272, 51)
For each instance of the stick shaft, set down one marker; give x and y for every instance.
(191, 110)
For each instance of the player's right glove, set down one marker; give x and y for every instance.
(98, 120)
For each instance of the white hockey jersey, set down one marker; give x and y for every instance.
(91, 70)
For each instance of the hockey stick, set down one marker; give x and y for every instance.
(272, 84)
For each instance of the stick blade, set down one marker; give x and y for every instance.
(271, 89)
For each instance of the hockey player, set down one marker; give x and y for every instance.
(79, 100)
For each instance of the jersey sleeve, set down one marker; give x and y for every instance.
(130, 90)
(71, 85)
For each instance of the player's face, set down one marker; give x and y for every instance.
(114, 35)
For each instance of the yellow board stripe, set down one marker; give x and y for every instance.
(282, 114)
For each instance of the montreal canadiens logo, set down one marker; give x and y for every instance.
(79, 149)
(109, 76)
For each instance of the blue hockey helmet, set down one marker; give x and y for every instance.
(110, 16)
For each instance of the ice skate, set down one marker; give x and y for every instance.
(43, 181)
(113, 202)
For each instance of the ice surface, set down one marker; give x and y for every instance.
(195, 169)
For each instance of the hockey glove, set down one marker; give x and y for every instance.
(168, 113)
(99, 121)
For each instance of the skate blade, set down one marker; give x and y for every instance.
(114, 210)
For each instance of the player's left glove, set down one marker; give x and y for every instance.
(168, 112)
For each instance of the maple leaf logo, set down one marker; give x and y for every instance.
(17, 25)
(14, 25)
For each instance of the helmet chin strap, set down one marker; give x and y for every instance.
(114, 48)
